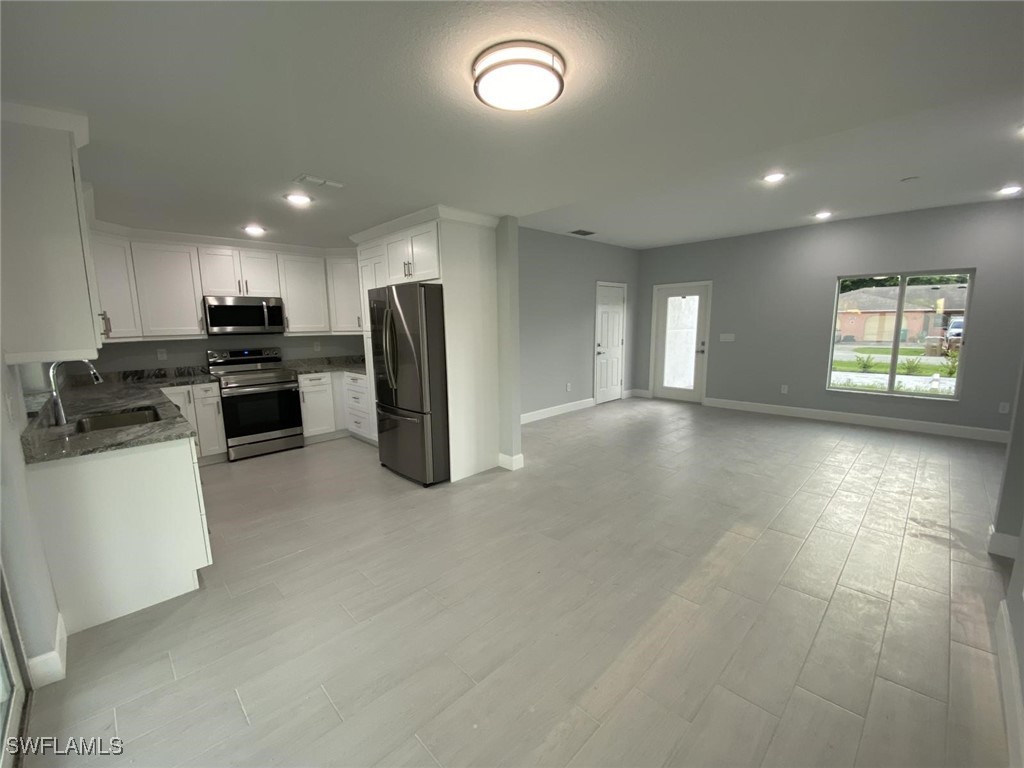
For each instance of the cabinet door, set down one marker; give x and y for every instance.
(304, 290)
(182, 397)
(170, 298)
(260, 274)
(399, 257)
(426, 264)
(317, 410)
(338, 395)
(115, 284)
(210, 425)
(343, 292)
(219, 272)
(372, 274)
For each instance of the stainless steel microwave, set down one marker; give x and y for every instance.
(243, 314)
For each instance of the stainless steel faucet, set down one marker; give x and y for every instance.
(58, 406)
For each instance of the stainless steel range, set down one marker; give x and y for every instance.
(260, 400)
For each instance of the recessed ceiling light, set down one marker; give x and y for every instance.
(518, 75)
(299, 200)
(255, 230)
(774, 178)
(1010, 189)
(822, 215)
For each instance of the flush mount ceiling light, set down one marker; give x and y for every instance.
(1010, 189)
(299, 200)
(822, 215)
(774, 177)
(254, 230)
(518, 75)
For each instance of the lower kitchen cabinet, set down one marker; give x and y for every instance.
(359, 408)
(209, 421)
(182, 397)
(317, 402)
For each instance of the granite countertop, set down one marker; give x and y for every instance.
(43, 441)
(327, 364)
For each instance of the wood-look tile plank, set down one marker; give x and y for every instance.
(903, 728)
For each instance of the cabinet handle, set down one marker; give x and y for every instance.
(359, 321)
(246, 287)
(286, 322)
(189, 393)
(106, 324)
(239, 286)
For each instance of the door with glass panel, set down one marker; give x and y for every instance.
(681, 313)
(12, 690)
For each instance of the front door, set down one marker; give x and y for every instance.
(681, 315)
(609, 341)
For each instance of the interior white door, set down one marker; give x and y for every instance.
(681, 314)
(609, 342)
(12, 689)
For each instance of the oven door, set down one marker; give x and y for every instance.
(262, 412)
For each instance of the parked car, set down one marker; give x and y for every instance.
(955, 332)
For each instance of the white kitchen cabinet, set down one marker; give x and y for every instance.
(317, 401)
(343, 295)
(338, 393)
(413, 255)
(233, 272)
(49, 302)
(170, 290)
(219, 271)
(373, 273)
(357, 401)
(260, 275)
(209, 421)
(304, 291)
(115, 284)
(183, 398)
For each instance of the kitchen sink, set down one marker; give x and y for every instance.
(115, 419)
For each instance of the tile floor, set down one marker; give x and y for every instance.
(663, 584)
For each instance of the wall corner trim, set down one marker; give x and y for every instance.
(863, 420)
(50, 667)
(636, 393)
(1002, 544)
(1009, 679)
(511, 463)
(556, 410)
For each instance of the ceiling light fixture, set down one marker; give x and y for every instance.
(774, 177)
(822, 215)
(1010, 189)
(299, 200)
(518, 75)
(254, 230)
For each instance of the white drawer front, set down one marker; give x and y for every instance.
(362, 424)
(357, 400)
(314, 379)
(355, 380)
(203, 391)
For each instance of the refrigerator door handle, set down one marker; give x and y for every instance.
(389, 415)
(387, 349)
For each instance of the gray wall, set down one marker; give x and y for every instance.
(558, 278)
(1008, 520)
(21, 548)
(510, 441)
(136, 355)
(776, 291)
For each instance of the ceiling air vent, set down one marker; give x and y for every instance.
(316, 181)
(581, 232)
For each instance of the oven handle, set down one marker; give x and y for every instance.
(237, 391)
(266, 317)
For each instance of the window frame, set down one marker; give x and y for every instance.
(904, 276)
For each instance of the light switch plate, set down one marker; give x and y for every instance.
(161, 354)
(784, 389)
(727, 337)
(316, 346)
(1004, 407)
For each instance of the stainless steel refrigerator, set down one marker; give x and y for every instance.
(407, 327)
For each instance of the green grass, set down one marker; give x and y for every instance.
(904, 351)
(851, 366)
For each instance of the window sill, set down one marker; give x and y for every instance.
(898, 395)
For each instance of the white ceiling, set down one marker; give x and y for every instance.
(201, 114)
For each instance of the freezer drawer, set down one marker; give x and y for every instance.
(409, 446)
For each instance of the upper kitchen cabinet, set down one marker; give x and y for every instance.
(115, 282)
(343, 294)
(220, 271)
(231, 272)
(412, 255)
(170, 289)
(50, 308)
(373, 273)
(304, 290)
(260, 274)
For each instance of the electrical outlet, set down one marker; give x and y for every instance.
(784, 389)
(316, 346)
(568, 386)
(1004, 407)
(161, 354)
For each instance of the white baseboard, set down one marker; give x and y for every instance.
(1002, 544)
(1009, 683)
(557, 410)
(637, 393)
(510, 462)
(50, 667)
(881, 422)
